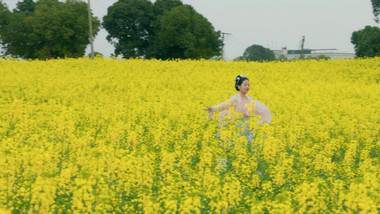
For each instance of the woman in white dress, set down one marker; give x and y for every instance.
(243, 104)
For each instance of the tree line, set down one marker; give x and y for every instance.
(45, 29)
(165, 29)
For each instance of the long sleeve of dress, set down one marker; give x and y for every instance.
(224, 105)
(264, 112)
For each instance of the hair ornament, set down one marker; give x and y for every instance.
(238, 79)
(240, 76)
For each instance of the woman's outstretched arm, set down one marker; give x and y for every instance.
(219, 107)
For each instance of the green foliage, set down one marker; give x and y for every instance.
(166, 29)
(366, 42)
(128, 23)
(4, 16)
(282, 58)
(319, 57)
(47, 29)
(185, 34)
(160, 6)
(376, 9)
(239, 58)
(258, 53)
(97, 54)
(26, 6)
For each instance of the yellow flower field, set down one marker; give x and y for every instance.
(125, 136)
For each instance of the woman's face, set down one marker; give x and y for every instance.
(244, 87)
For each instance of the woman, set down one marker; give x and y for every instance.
(243, 104)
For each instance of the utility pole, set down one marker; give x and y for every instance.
(90, 29)
(302, 44)
(223, 36)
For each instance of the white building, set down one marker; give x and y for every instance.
(296, 54)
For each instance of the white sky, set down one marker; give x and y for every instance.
(271, 23)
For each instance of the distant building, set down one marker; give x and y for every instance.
(295, 54)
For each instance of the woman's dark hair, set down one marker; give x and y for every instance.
(239, 80)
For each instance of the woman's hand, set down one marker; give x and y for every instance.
(210, 112)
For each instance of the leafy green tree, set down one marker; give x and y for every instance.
(164, 30)
(13, 31)
(187, 34)
(376, 9)
(4, 16)
(47, 29)
(129, 24)
(156, 48)
(26, 6)
(160, 6)
(366, 42)
(4, 20)
(258, 53)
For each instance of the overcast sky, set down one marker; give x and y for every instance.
(271, 23)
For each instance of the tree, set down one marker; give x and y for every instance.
(47, 29)
(26, 6)
(129, 24)
(4, 20)
(366, 42)
(185, 34)
(160, 6)
(164, 30)
(156, 48)
(376, 9)
(4, 15)
(258, 53)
